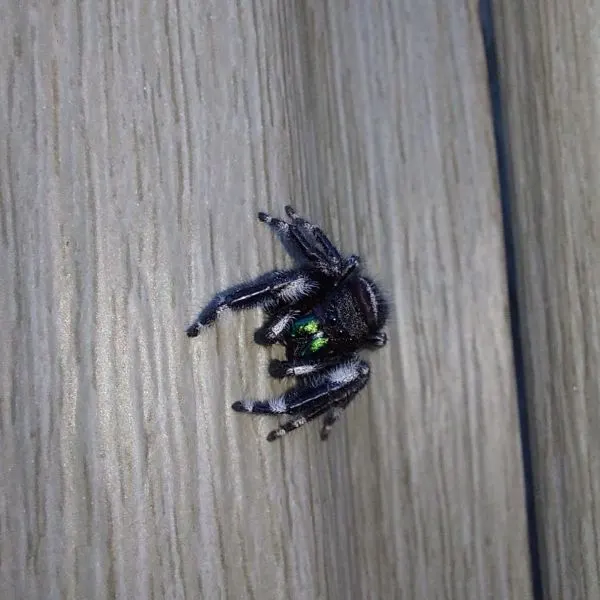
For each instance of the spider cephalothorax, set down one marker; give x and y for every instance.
(323, 312)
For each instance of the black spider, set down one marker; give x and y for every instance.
(323, 312)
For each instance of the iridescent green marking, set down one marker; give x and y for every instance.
(306, 326)
(312, 338)
(318, 343)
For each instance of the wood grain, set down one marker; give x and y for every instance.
(137, 142)
(549, 56)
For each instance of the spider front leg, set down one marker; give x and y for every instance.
(274, 287)
(333, 388)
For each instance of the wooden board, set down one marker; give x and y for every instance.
(138, 142)
(549, 63)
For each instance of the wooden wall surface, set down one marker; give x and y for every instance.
(137, 142)
(549, 56)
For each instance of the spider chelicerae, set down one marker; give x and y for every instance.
(323, 312)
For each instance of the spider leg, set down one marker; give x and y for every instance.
(330, 418)
(377, 340)
(273, 287)
(333, 415)
(295, 423)
(314, 232)
(316, 239)
(274, 329)
(306, 243)
(303, 366)
(297, 249)
(337, 386)
(349, 266)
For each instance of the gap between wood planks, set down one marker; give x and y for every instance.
(504, 175)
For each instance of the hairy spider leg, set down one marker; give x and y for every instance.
(331, 416)
(316, 233)
(304, 365)
(329, 421)
(288, 286)
(316, 239)
(275, 327)
(331, 386)
(295, 423)
(349, 267)
(302, 243)
(340, 384)
(295, 246)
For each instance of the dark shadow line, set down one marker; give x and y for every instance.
(504, 170)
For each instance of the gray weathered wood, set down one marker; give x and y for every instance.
(137, 141)
(549, 64)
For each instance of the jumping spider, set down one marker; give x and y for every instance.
(323, 312)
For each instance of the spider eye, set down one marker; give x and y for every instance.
(333, 322)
